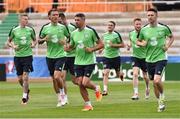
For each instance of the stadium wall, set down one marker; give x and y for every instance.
(41, 70)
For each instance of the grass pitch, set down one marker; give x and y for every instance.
(117, 104)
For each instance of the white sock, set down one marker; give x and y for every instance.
(24, 95)
(136, 90)
(97, 87)
(161, 96)
(66, 97)
(105, 87)
(88, 103)
(62, 91)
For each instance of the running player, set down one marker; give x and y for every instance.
(138, 60)
(54, 34)
(112, 42)
(154, 36)
(22, 39)
(86, 41)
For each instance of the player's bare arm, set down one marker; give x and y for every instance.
(42, 40)
(171, 40)
(99, 45)
(141, 43)
(33, 43)
(120, 45)
(129, 45)
(11, 44)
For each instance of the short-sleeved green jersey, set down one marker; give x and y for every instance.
(115, 38)
(70, 27)
(156, 39)
(80, 39)
(56, 33)
(22, 37)
(138, 52)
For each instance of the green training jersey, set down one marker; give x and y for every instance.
(156, 39)
(115, 38)
(70, 27)
(22, 37)
(80, 39)
(56, 33)
(138, 52)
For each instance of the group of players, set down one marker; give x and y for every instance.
(72, 48)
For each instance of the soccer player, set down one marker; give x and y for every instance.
(154, 36)
(70, 54)
(86, 41)
(22, 39)
(138, 60)
(54, 34)
(112, 42)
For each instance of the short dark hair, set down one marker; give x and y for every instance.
(52, 10)
(62, 15)
(152, 10)
(81, 15)
(113, 23)
(137, 19)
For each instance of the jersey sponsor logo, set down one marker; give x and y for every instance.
(54, 38)
(107, 43)
(153, 41)
(80, 44)
(23, 40)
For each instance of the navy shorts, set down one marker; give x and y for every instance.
(69, 65)
(23, 64)
(84, 70)
(112, 63)
(156, 68)
(141, 63)
(55, 64)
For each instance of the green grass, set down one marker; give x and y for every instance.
(117, 104)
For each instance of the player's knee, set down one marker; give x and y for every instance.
(156, 81)
(75, 81)
(56, 77)
(84, 83)
(135, 75)
(145, 78)
(20, 77)
(79, 81)
(25, 76)
(106, 74)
